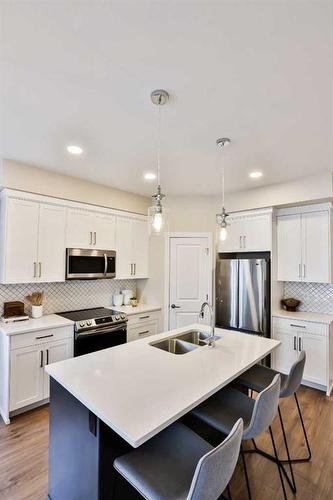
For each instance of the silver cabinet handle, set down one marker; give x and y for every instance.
(44, 336)
(91, 238)
(299, 343)
(144, 317)
(299, 271)
(40, 269)
(303, 270)
(41, 359)
(240, 242)
(295, 345)
(244, 241)
(95, 237)
(35, 269)
(131, 269)
(134, 269)
(105, 264)
(297, 326)
(142, 333)
(47, 357)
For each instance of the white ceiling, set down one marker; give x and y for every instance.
(259, 72)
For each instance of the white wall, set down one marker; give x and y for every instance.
(33, 179)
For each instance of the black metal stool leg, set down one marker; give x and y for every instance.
(246, 474)
(289, 462)
(229, 492)
(279, 466)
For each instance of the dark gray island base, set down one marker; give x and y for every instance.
(81, 453)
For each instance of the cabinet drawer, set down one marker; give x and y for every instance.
(294, 325)
(40, 336)
(136, 319)
(142, 330)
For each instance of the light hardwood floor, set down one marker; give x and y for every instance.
(24, 444)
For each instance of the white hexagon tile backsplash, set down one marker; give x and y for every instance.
(314, 297)
(69, 295)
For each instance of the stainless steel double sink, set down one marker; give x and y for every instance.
(184, 342)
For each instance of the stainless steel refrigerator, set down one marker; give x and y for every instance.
(243, 294)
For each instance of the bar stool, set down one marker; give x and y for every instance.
(178, 463)
(226, 406)
(256, 379)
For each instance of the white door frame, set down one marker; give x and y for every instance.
(168, 237)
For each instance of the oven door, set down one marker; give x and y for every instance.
(90, 264)
(99, 338)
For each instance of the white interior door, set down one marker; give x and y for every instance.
(190, 269)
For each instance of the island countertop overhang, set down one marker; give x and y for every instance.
(138, 390)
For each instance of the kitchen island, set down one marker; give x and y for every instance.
(104, 403)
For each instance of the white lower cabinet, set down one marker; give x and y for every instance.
(28, 381)
(143, 325)
(315, 339)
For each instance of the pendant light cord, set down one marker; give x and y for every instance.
(158, 144)
(223, 187)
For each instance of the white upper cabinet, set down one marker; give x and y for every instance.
(289, 249)
(248, 232)
(20, 239)
(132, 248)
(51, 243)
(33, 242)
(87, 229)
(304, 245)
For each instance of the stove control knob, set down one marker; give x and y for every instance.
(117, 318)
(123, 316)
(81, 323)
(88, 323)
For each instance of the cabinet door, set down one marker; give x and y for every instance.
(53, 352)
(79, 229)
(316, 247)
(51, 243)
(257, 233)
(286, 354)
(26, 376)
(289, 254)
(139, 248)
(124, 267)
(104, 235)
(20, 259)
(315, 365)
(234, 240)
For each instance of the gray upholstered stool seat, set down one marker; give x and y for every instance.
(258, 377)
(222, 410)
(178, 464)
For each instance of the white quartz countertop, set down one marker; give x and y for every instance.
(138, 390)
(306, 316)
(139, 309)
(31, 325)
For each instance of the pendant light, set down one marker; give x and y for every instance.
(157, 219)
(221, 218)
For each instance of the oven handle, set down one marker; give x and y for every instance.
(105, 264)
(96, 331)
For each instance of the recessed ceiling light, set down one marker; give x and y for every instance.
(150, 176)
(74, 150)
(255, 174)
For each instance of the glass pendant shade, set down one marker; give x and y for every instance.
(221, 220)
(157, 220)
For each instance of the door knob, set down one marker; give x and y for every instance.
(173, 306)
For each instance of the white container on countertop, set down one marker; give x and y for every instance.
(117, 299)
(128, 294)
(36, 311)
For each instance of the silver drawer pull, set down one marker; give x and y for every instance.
(297, 326)
(295, 347)
(45, 336)
(144, 317)
(142, 333)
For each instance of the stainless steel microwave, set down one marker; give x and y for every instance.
(82, 264)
